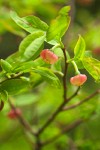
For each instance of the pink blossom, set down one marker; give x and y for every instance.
(78, 80)
(12, 114)
(48, 56)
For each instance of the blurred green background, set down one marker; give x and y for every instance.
(37, 105)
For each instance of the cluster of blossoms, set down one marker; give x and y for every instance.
(51, 58)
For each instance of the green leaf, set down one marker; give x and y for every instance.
(57, 66)
(35, 79)
(92, 66)
(28, 66)
(4, 95)
(6, 66)
(79, 49)
(58, 51)
(24, 67)
(36, 23)
(57, 69)
(59, 26)
(14, 86)
(48, 75)
(31, 46)
(29, 23)
(79, 64)
(88, 54)
(14, 59)
(3, 76)
(65, 10)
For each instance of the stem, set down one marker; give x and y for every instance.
(60, 108)
(73, 95)
(13, 77)
(1, 105)
(52, 117)
(74, 124)
(65, 74)
(54, 47)
(22, 121)
(76, 68)
(66, 129)
(82, 101)
(38, 144)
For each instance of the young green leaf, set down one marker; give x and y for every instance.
(31, 46)
(88, 54)
(4, 95)
(28, 66)
(6, 66)
(35, 79)
(36, 23)
(79, 49)
(65, 10)
(13, 59)
(92, 66)
(59, 26)
(48, 75)
(24, 67)
(58, 51)
(3, 76)
(79, 64)
(14, 86)
(29, 23)
(57, 68)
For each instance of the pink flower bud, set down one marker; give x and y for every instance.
(78, 80)
(48, 56)
(14, 113)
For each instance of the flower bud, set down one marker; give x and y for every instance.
(78, 80)
(14, 113)
(48, 56)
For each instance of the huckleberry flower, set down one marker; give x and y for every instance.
(12, 114)
(48, 56)
(78, 80)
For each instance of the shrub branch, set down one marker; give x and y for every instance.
(21, 119)
(82, 101)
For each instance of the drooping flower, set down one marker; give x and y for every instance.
(12, 114)
(78, 80)
(48, 56)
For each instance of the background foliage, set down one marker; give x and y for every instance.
(37, 104)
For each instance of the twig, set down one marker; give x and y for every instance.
(1, 105)
(66, 129)
(52, 117)
(59, 109)
(12, 77)
(73, 95)
(72, 145)
(65, 74)
(82, 101)
(22, 121)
